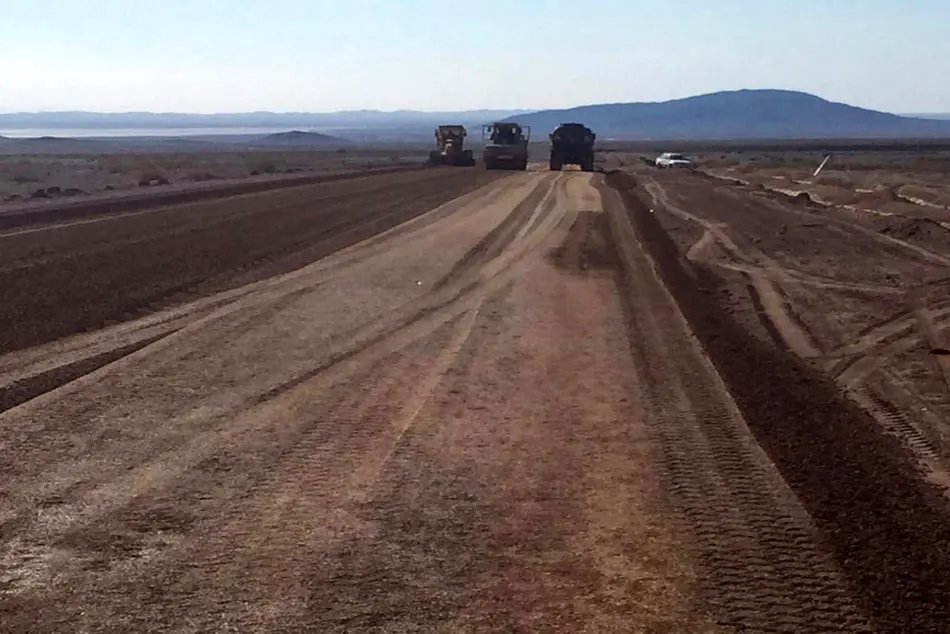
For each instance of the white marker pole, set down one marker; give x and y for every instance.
(820, 167)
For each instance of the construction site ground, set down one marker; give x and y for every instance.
(452, 400)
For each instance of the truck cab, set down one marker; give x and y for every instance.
(506, 145)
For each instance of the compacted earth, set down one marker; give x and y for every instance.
(447, 399)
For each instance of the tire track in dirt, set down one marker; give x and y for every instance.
(699, 248)
(501, 236)
(766, 566)
(897, 422)
(766, 279)
(364, 477)
(68, 536)
(88, 291)
(48, 245)
(460, 289)
(526, 467)
(927, 325)
(865, 360)
(11, 220)
(26, 389)
(903, 394)
(271, 304)
(744, 188)
(806, 279)
(886, 526)
(851, 365)
(40, 380)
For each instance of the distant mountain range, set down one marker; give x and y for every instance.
(727, 115)
(739, 114)
(293, 140)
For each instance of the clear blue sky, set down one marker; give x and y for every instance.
(320, 55)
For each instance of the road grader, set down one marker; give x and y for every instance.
(450, 142)
(506, 146)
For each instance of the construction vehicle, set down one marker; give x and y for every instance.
(450, 142)
(507, 145)
(572, 144)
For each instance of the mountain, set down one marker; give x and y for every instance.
(296, 138)
(739, 114)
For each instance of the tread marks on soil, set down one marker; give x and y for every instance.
(899, 332)
(896, 421)
(449, 293)
(764, 319)
(240, 495)
(136, 203)
(27, 389)
(765, 275)
(587, 246)
(764, 563)
(502, 236)
(888, 527)
(169, 280)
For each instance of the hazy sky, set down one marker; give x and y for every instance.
(320, 55)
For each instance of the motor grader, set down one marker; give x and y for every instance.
(450, 142)
(507, 145)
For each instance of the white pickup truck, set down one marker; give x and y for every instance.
(673, 159)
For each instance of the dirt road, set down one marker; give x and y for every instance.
(491, 417)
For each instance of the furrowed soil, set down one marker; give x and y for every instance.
(448, 400)
(828, 332)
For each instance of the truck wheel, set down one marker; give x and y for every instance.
(554, 166)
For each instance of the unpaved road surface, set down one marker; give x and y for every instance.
(507, 413)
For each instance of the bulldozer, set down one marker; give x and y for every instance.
(507, 145)
(572, 144)
(450, 141)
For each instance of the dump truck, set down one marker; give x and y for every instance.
(450, 150)
(572, 144)
(506, 145)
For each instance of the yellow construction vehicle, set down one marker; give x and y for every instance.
(450, 142)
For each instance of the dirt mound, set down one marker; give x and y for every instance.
(834, 180)
(920, 229)
(922, 193)
(803, 197)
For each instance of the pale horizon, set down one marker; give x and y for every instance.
(218, 57)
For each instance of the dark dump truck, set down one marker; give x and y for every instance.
(572, 144)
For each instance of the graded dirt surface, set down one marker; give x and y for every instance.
(38, 178)
(859, 293)
(444, 401)
(838, 307)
